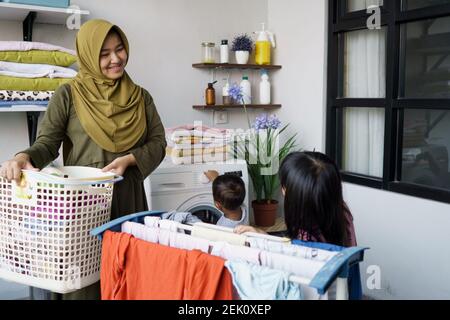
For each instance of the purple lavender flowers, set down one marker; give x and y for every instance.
(266, 122)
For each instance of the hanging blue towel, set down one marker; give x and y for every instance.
(253, 282)
(354, 275)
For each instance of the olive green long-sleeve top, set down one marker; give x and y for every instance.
(61, 125)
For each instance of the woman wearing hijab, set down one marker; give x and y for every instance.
(104, 120)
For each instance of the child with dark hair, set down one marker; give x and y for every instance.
(314, 208)
(229, 195)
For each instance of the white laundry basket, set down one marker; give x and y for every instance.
(45, 224)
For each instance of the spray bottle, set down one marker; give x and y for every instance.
(264, 42)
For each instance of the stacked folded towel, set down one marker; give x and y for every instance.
(31, 71)
(197, 144)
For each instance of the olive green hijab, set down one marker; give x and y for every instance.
(112, 112)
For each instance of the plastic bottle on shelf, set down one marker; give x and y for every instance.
(263, 47)
(246, 88)
(210, 94)
(264, 88)
(226, 99)
(224, 52)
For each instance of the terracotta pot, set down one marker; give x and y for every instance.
(265, 213)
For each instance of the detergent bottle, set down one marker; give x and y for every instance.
(264, 44)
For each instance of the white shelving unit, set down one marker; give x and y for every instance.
(28, 15)
(50, 15)
(23, 108)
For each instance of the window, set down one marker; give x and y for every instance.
(388, 114)
(418, 4)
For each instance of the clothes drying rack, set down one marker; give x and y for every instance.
(334, 270)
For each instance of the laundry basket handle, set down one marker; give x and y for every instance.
(58, 180)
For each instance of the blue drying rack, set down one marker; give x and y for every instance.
(336, 267)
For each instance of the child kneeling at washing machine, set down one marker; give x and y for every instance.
(229, 195)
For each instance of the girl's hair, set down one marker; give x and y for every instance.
(313, 203)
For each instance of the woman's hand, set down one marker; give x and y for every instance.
(244, 229)
(12, 169)
(119, 165)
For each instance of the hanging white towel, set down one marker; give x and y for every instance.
(292, 250)
(152, 222)
(215, 235)
(300, 267)
(165, 237)
(141, 231)
(169, 225)
(296, 266)
(29, 70)
(184, 241)
(235, 253)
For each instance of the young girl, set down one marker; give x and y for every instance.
(314, 209)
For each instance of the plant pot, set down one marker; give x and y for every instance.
(265, 213)
(242, 57)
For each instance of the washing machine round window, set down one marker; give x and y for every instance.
(202, 206)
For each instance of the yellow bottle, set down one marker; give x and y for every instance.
(263, 52)
(264, 44)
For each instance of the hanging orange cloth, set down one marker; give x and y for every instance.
(134, 269)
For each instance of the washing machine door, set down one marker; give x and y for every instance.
(202, 206)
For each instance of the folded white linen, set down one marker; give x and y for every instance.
(29, 70)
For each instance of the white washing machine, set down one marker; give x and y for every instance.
(185, 188)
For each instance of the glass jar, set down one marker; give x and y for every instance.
(208, 52)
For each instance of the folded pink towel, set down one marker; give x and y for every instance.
(196, 129)
(27, 46)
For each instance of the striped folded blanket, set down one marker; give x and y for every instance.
(207, 158)
(186, 152)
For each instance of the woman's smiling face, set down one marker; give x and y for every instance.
(113, 56)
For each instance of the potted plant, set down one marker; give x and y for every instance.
(242, 46)
(263, 151)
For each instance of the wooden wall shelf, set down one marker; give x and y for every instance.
(237, 107)
(234, 66)
(19, 12)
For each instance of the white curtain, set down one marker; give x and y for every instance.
(365, 77)
(356, 5)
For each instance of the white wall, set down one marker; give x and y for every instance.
(408, 236)
(408, 239)
(300, 28)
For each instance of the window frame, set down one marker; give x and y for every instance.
(392, 18)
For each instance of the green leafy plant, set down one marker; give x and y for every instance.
(262, 150)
